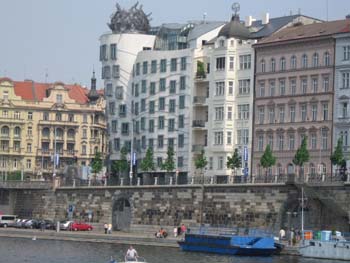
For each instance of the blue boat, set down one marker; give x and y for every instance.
(229, 244)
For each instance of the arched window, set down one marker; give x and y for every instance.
(279, 169)
(282, 64)
(46, 132)
(323, 168)
(17, 131)
(273, 65)
(5, 131)
(304, 61)
(58, 116)
(326, 59)
(59, 133)
(293, 62)
(95, 150)
(263, 65)
(290, 168)
(71, 133)
(315, 60)
(312, 169)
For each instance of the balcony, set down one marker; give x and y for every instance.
(198, 124)
(199, 100)
(59, 122)
(70, 152)
(4, 149)
(197, 148)
(5, 136)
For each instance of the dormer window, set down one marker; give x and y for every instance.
(221, 43)
(59, 98)
(5, 95)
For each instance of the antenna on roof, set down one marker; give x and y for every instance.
(46, 75)
(204, 16)
(299, 11)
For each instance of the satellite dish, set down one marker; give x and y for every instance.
(235, 8)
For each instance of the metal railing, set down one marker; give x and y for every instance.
(198, 123)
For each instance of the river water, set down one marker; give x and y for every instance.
(13, 250)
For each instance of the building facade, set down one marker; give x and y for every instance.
(293, 97)
(38, 120)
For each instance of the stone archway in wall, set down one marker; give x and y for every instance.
(121, 214)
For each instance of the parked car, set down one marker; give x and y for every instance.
(32, 223)
(66, 225)
(47, 224)
(22, 223)
(7, 220)
(80, 226)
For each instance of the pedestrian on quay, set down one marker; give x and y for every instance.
(282, 234)
(183, 228)
(105, 226)
(175, 231)
(109, 228)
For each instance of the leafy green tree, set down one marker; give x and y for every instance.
(235, 161)
(302, 155)
(201, 162)
(337, 156)
(147, 165)
(200, 70)
(97, 163)
(121, 166)
(169, 163)
(267, 159)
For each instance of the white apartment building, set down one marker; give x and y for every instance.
(342, 92)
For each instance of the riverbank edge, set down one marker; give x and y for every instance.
(116, 238)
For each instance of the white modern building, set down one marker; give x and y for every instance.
(342, 91)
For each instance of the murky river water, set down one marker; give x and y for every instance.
(13, 250)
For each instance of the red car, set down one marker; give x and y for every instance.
(80, 226)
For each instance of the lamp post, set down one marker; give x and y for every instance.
(131, 152)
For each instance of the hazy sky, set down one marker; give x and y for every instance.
(61, 36)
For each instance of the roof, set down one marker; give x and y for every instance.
(235, 29)
(36, 91)
(203, 28)
(307, 31)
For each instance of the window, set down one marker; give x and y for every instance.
(71, 117)
(58, 116)
(346, 50)
(231, 63)
(161, 103)
(272, 88)
(106, 72)
(229, 113)
(161, 121)
(280, 142)
(109, 89)
(272, 115)
(30, 131)
(229, 138)
(151, 106)
(183, 63)
(324, 139)
(242, 136)
(261, 115)
(117, 144)
(243, 112)
(218, 138)
(325, 111)
(262, 66)
(84, 133)
(220, 88)
(270, 140)
(111, 108)
(293, 62)
(154, 66)
(29, 147)
(244, 86)
(160, 141)
(291, 142)
(143, 123)
(314, 85)
(122, 110)
(262, 89)
(181, 140)
(137, 69)
(346, 80)
(181, 121)
(304, 61)
(152, 88)
(245, 62)
(114, 126)
(143, 105)
(113, 51)
(173, 64)
(30, 115)
(17, 132)
(159, 161)
(17, 115)
(163, 65)
(292, 113)
(144, 67)
(273, 65)
(261, 142)
(220, 162)
(125, 128)
(281, 110)
(103, 52)
(219, 113)
(182, 102)
(211, 163)
(172, 89)
(293, 86)
(162, 85)
(303, 112)
(221, 43)
(282, 87)
(304, 86)
(326, 59)
(116, 71)
(143, 86)
(29, 164)
(180, 161)
(344, 109)
(315, 60)
(5, 131)
(151, 126)
(171, 125)
(325, 84)
(283, 64)
(230, 88)
(172, 105)
(220, 64)
(5, 95)
(136, 91)
(314, 112)
(182, 82)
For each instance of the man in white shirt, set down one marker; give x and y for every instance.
(131, 254)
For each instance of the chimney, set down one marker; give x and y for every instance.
(266, 19)
(249, 20)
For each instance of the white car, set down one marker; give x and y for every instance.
(64, 225)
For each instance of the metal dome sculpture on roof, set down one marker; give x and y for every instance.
(235, 28)
(133, 20)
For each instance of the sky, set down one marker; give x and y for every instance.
(58, 40)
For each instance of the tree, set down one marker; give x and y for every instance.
(337, 156)
(267, 159)
(169, 164)
(147, 165)
(96, 164)
(201, 162)
(121, 166)
(200, 70)
(302, 155)
(235, 161)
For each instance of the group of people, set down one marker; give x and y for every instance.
(293, 237)
(107, 228)
(161, 233)
(178, 231)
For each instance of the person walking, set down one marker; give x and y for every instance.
(105, 228)
(109, 228)
(175, 231)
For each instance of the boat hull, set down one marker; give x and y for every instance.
(325, 249)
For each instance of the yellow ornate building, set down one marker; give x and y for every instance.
(38, 120)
